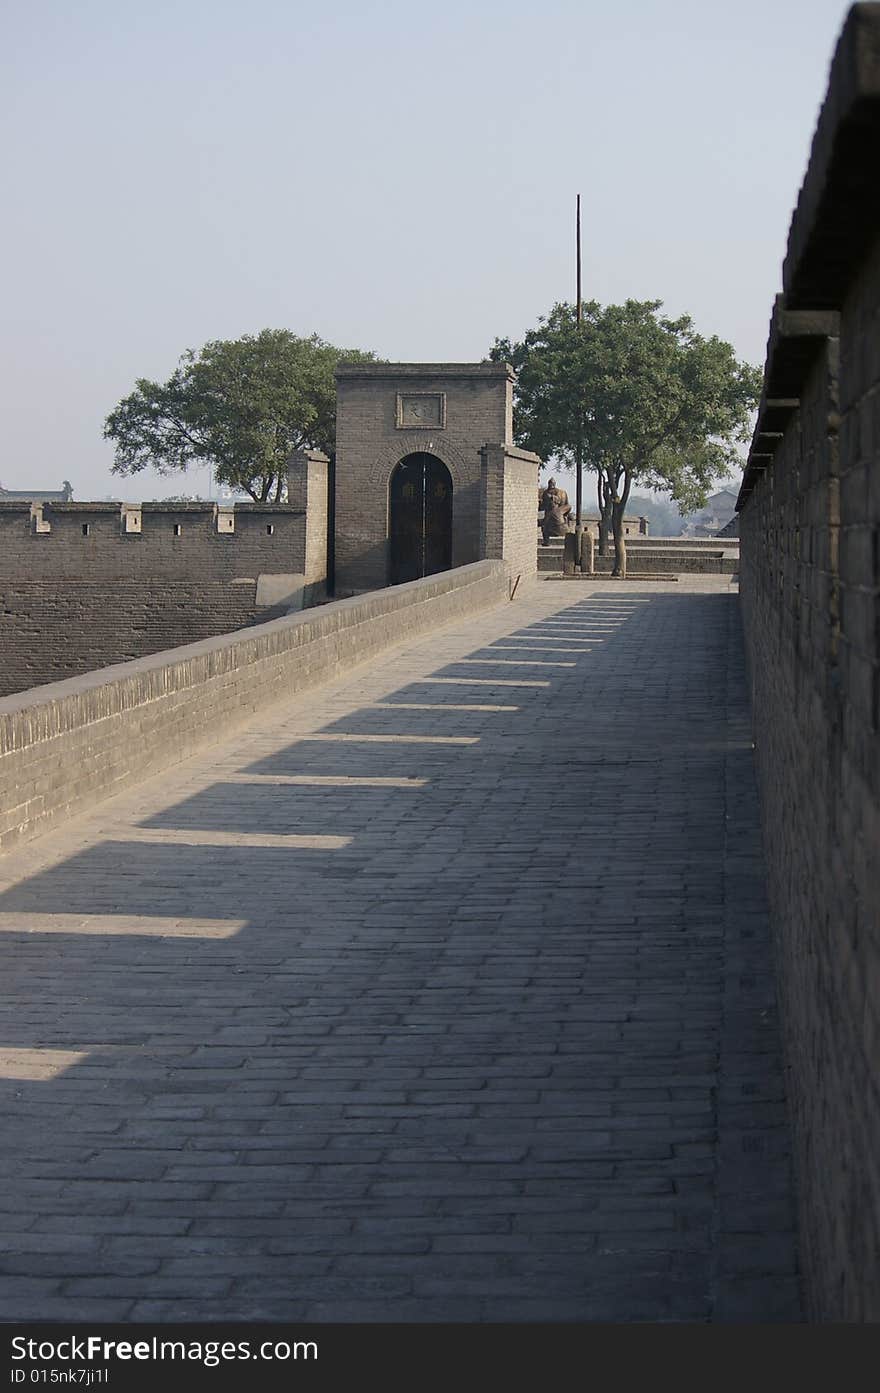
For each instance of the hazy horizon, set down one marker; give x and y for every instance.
(398, 178)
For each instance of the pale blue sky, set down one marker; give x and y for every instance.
(395, 176)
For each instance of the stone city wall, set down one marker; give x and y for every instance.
(50, 630)
(83, 585)
(810, 581)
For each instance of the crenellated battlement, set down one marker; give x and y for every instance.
(128, 540)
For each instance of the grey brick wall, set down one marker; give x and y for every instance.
(670, 562)
(509, 505)
(66, 746)
(810, 542)
(53, 630)
(85, 593)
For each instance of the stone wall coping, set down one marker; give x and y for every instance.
(415, 371)
(314, 456)
(795, 339)
(838, 208)
(514, 452)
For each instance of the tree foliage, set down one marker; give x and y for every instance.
(241, 406)
(643, 399)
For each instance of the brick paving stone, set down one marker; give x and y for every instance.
(477, 1024)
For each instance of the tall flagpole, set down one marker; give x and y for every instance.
(578, 241)
(579, 524)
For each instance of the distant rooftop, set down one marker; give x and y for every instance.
(62, 495)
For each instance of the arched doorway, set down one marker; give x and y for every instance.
(420, 518)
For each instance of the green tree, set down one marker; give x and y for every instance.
(643, 399)
(239, 405)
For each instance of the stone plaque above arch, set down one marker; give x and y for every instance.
(421, 410)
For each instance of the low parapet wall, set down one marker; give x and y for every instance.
(66, 746)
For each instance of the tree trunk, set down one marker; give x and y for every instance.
(618, 510)
(603, 491)
(619, 542)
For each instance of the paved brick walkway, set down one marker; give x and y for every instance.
(443, 994)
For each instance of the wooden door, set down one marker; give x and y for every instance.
(420, 518)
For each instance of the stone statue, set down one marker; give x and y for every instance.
(557, 511)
